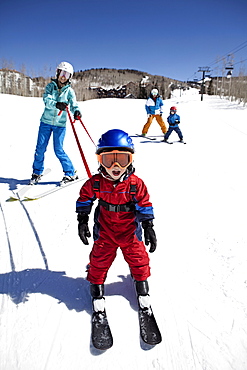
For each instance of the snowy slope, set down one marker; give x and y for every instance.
(198, 285)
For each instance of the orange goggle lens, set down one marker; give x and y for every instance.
(123, 159)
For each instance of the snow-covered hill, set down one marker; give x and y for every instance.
(198, 285)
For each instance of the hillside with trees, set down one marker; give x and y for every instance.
(92, 84)
(122, 83)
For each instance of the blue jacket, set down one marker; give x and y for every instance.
(172, 120)
(153, 107)
(51, 96)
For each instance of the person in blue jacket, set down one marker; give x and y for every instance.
(57, 96)
(173, 119)
(154, 109)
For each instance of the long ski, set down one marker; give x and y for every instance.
(101, 333)
(149, 329)
(144, 137)
(51, 191)
(19, 194)
(171, 142)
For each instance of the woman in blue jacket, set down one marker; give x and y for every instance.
(173, 119)
(58, 95)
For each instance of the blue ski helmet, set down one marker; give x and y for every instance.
(115, 140)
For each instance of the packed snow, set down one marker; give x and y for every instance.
(198, 285)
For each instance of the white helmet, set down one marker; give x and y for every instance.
(65, 66)
(155, 92)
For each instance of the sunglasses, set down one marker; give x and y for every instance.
(65, 74)
(108, 160)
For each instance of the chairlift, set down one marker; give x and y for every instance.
(229, 74)
(229, 68)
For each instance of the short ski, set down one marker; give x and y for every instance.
(144, 137)
(149, 329)
(101, 332)
(19, 194)
(173, 142)
(181, 142)
(167, 142)
(57, 188)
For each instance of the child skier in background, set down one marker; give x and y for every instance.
(122, 209)
(154, 109)
(173, 119)
(58, 94)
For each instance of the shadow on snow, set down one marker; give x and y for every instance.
(73, 292)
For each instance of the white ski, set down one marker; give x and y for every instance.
(57, 188)
(19, 194)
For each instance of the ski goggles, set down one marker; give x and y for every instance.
(109, 159)
(65, 74)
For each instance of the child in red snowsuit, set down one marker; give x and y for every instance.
(123, 210)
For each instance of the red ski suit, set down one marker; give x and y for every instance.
(117, 226)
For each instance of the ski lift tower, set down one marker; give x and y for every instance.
(203, 70)
(229, 68)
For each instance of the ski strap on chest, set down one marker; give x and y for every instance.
(132, 188)
(96, 188)
(127, 207)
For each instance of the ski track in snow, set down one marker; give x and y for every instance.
(198, 285)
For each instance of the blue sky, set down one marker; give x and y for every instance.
(164, 37)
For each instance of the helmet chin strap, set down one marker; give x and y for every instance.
(105, 174)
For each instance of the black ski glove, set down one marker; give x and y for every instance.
(61, 105)
(160, 114)
(149, 235)
(77, 114)
(177, 121)
(83, 230)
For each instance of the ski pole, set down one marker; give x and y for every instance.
(83, 127)
(78, 144)
(86, 131)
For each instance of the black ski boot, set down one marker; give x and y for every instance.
(149, 329)
(97, 293)
(67, 179)
(35, 179)
(101, 332)
(143, 297)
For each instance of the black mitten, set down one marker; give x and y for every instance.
(149, 235)
(61, 105)
(83, 230)
(77, 114)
